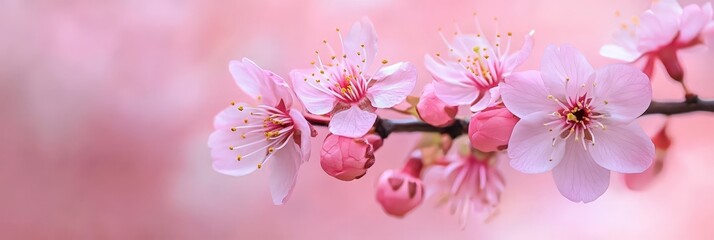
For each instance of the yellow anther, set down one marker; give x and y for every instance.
(233, 103)
(233, 129)
(359, 54)
(324, 41)
(245, 120)
(230, 148)
(260, 165)
(510, 34)
(317, 81)
(571, 117)
(242, 136)
(384, 61)
(240, 108)
(312, 63)
(271, 150)
(322, 71)
(239, 157)
(362, 45)
(259, 97)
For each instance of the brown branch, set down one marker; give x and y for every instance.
(384, 127)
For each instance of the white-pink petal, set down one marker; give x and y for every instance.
(303, 128)
(578, 177)
(624, 148)
(260, 84)
(622, 91)
(520, 56)
(523, 93)
(392, 84)
(361, 33)
(284, 165)
(693, 20)
(531, 147)
(565, 71)
(619, 52)
(352, 122)
(315, 98)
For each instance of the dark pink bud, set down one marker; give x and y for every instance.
(400, 192)
(348, 158)
(490, 129)
(671, 63)
(433, 111)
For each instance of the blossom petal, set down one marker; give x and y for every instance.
(285, 164)
(352, 122)
(524, 93)
(619, 52)
(489, 98)
(520, 56)
(451, 84)
(361, 33)
(392, 84)
(225, 160)
(565, 71)
(694, 19)
(578, 177)
(303, 127)
(315, 97)
(624, 148)
(656, 30)
(622, 91)
(260, 84)
(531, 146)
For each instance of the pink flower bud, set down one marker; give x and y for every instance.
(348, 158)
(490, 129)
(432, 110)
(400, 192)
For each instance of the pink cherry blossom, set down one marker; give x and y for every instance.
(434, 111)
(348, 158)
(399, 192)
(475, 68)
(343, 88)
(490, 129)
(578, 122)
(468, 183)
(659, 33)
(270, 134)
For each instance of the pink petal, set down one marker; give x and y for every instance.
(225, 160)
(565, 64)
(451, 84)
(622, 91)
(694, 19)
(530, 147)
(655, 31)
(362, 33)
(352, 122)
(622, 148)
(303, 127)
(316, 99)
(284, 165)
(392, 84)
(619, 52)
(487, 99)
(520, 56)
(259, 83)
(578, 177)
(524, 93)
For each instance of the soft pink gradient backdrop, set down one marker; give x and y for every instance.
(106, 106)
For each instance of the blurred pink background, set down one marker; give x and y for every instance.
(106, 107)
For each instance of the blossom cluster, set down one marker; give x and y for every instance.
(567, 117)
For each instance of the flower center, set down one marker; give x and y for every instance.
(263, 131)
(576, 119)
